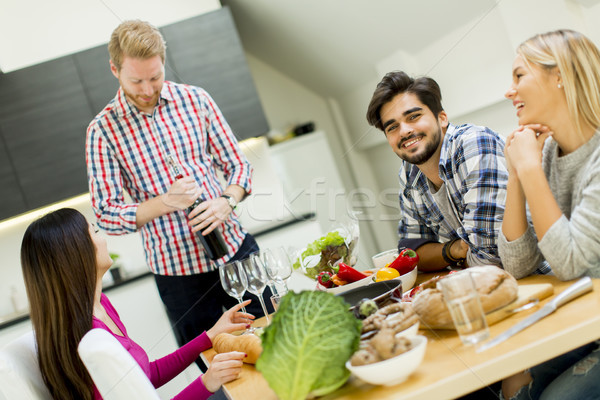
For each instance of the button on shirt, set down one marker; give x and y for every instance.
(473, 168)
(126, 151)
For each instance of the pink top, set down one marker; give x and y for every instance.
(164, 369)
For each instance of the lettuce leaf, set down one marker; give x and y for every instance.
(305, 347)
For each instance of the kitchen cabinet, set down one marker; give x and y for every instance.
(11, 201)
(99, 84)
(43, 117)
(206, 51)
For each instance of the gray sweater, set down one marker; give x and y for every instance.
(572, 244)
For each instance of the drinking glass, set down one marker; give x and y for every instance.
(462, 300)
(257, 279)
(278, 265)
(234, 280)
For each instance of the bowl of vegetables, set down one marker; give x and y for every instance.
(376, 369)
(325, 253)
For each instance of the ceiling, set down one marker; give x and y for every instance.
(332, 46)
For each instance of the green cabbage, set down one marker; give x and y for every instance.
(305, 347)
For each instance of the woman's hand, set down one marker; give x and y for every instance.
(231, 320)
(224, 368)
(524, 148)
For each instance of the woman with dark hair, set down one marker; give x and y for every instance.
(555, 182)
(63, 260)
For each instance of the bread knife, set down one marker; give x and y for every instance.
(580, 287)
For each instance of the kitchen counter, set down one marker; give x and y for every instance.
(15, 318)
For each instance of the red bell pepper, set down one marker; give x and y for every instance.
(349, 274)
(324, 279)
(406, 261)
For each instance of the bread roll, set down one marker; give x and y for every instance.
(249, 344)
(495, 286)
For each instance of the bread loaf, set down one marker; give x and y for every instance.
(496, 288)
(249, 344)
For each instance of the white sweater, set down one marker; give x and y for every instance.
(572, 244)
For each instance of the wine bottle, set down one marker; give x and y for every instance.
(213, 243)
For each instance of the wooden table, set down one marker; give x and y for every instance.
(450, 369)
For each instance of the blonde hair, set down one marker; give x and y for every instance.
(137, 39)
(578, 61)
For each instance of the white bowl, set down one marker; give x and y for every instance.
(348, 286)
(382, 259)
(408, 280)
(394, 370)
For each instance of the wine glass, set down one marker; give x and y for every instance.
(278, 265)
(271, 280)
(234, 280)
(257, 279)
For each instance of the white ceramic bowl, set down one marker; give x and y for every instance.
(408, 280)
(348, 286)
(382, 259)
(394, 370)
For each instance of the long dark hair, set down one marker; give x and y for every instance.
(58, 258)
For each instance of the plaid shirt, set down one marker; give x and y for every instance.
(126, 152)
(473, 167)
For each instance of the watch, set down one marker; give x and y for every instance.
(230, 200)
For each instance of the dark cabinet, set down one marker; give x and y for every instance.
(206, 51)
(99, 84)
(44, 130)
(11, 200)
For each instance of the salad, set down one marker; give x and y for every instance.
(326, 252)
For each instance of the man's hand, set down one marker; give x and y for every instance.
(182, 193)
(209, 214)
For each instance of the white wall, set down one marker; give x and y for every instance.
(287, 103)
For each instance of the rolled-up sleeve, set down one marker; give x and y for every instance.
(106, 187)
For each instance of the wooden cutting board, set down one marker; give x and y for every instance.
(527, 293)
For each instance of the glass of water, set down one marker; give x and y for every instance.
(462, 299)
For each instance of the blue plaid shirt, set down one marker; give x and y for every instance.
(126, 152)
(473, 167)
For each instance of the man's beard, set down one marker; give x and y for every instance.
(428, 151)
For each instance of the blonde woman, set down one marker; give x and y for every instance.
(556, 91)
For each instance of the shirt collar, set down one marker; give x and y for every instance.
(125, 108)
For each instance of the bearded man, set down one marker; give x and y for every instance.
(452, 180)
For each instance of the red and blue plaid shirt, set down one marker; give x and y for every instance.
(126, 151)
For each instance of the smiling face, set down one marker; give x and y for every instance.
(411, 129)
(535, 93)
(141, 80)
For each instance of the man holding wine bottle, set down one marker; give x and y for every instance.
(161, 142)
